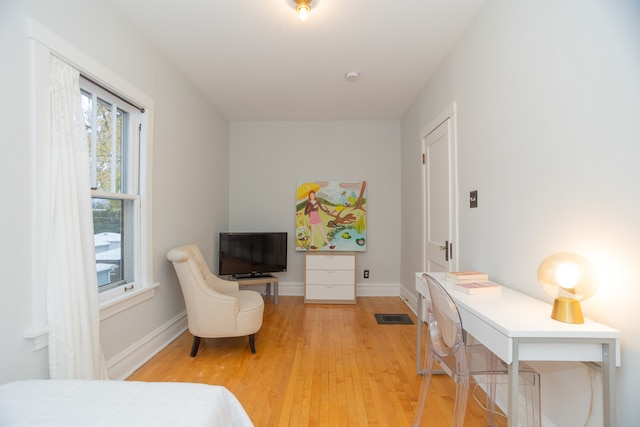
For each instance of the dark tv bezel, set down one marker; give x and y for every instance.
(262, 272)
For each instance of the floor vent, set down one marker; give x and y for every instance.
(393, 319)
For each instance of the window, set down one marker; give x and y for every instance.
(124, 204)
(113, 131)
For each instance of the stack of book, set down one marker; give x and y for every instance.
(474, 288)
(467, 276)
(472, 282)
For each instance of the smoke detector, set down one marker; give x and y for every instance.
(352, 76)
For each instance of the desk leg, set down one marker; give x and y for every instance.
(419, 339)
(609, 383)
(514, 369)
(275, 292)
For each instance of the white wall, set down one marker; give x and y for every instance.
(548, 97)
(268, 159)
(190, 173)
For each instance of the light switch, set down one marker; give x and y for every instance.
(473, 199)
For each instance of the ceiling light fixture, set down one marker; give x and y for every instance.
(303, 8)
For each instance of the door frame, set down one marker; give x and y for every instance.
(449, 113)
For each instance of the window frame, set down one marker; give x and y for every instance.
(42, 44)
(129, 192)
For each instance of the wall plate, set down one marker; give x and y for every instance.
(473, 199)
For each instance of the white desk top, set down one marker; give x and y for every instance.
(516, 315)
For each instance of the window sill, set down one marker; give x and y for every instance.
(40, 338)
(126, 300)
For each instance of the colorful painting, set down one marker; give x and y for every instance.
(331, 216)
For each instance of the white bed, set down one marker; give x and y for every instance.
(72, 403)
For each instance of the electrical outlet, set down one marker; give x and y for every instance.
(366, 274)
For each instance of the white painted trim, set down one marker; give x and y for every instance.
(294, 289)
(127, 361)
(449, 113)
(43, 43)
(39, 338)
(377, 290)
(40, 142)
(126, 300)
(85, 64)
(410, 298)
(362, 290)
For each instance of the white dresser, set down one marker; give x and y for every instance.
(330, 278)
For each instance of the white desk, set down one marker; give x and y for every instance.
(517, 327)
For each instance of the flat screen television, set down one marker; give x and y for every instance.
(244, 255)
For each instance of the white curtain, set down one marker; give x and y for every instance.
(72, 288)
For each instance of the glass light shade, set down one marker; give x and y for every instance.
(569, 278)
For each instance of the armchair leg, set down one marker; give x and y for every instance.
(195, 346)
(252, 343)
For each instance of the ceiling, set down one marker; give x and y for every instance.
(255, 59)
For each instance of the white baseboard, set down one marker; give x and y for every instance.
(377, 290)
(127, 361)
(362, 290)
(292, 289)
(410, 299)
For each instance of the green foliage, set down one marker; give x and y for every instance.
(107, 164)
(107, 217)
(361, 224)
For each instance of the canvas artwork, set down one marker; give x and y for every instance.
(331, 216)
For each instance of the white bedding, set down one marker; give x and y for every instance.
(118, 403)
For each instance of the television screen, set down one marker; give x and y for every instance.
(252, 254)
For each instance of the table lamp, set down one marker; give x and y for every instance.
(569, 278)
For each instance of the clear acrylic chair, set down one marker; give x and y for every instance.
(464, 362)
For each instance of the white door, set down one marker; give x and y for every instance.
(439, 195)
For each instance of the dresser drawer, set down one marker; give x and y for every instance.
(330, 277)
(329, 293)
(331, 262)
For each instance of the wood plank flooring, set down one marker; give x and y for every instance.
(317, 365)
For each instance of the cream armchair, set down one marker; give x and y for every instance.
(215, 307)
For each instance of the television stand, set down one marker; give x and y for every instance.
(262, 279)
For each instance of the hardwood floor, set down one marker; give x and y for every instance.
(317, 365)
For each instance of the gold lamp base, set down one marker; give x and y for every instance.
(567, 310)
